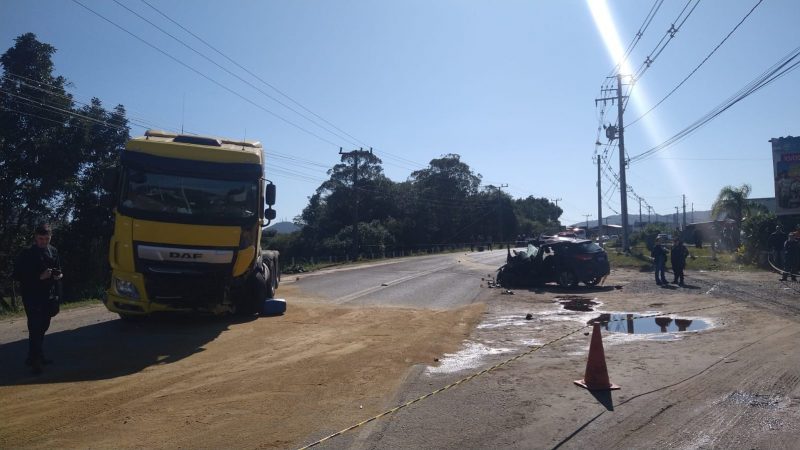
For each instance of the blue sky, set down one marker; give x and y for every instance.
(508, 85)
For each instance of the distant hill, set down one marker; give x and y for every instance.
(283, 227)
(697, 216)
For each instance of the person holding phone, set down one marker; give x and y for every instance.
(38, 269)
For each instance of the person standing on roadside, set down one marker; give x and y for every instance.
(38, 269)
(678, 259)
(792, 250)
(659, 255)
(776, 241)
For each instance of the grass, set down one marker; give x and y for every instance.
(699, 259)
(20, 311)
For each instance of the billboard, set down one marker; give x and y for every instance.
(786, 164)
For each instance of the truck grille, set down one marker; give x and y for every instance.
(181, 291)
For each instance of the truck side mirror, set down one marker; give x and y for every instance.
(110, 179)
(270, 214)
(270, 195)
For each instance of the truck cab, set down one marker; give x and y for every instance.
(188, 214)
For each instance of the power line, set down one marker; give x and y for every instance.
(638, 36)
(390, 155)
(156, 48)
(63, 111)
(228, 71)
(662, 44)
(136, 120)
(699, 65)
(777, 70)
(399, 158)
(250, 72)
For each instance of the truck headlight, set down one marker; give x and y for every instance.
(126, 288)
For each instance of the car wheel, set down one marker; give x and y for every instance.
(592, 281)
(566, 278)
(501, 277)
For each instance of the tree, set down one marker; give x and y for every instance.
(35, 164)
(734, 204)
(52, 157)
(756, 230)
(446, 193)
(357, 188)
(537, 215)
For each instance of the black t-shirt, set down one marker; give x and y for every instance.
(29, 266)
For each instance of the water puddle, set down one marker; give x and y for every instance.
(506, 321)
(632, 323)
(468, 358)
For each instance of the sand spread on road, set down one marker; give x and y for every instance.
(258, 383)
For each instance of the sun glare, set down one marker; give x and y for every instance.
(616, 50)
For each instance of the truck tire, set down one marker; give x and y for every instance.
(269, 285)
(254, 294)
(270, 261)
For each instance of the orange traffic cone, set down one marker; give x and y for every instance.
(596, 377)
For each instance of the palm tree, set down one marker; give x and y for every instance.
(734, 204)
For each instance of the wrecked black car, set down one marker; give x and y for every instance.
(560, 260)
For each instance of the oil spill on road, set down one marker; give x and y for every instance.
(577, 303)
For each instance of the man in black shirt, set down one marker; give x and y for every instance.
(776, 241)
(792, 250)
(38, 269)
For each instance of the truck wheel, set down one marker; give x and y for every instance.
(268, 284)
(270, 261)
(254, 295)
(276, 271)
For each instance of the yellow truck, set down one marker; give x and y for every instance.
(188, 218)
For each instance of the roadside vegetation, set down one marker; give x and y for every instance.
(699, 259)
(10, 310)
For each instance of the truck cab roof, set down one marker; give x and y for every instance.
(199, 148)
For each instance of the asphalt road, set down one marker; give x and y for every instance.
(426, 334)
(437, 281)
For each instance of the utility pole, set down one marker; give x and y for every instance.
(619, 132)
(692, 212)
(587, 223)
(640, 213)
(599, 202)
(355, 154)
(555, 200)
(500, 209)
(676, 217)
(684, 213)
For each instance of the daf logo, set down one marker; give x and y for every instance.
(185, 255)
(180, 255)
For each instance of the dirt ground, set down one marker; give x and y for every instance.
(263, 383)
(276, 382)
(735, 384)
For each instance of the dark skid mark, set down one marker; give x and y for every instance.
(576, 303)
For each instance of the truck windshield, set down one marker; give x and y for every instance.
(190, 197)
